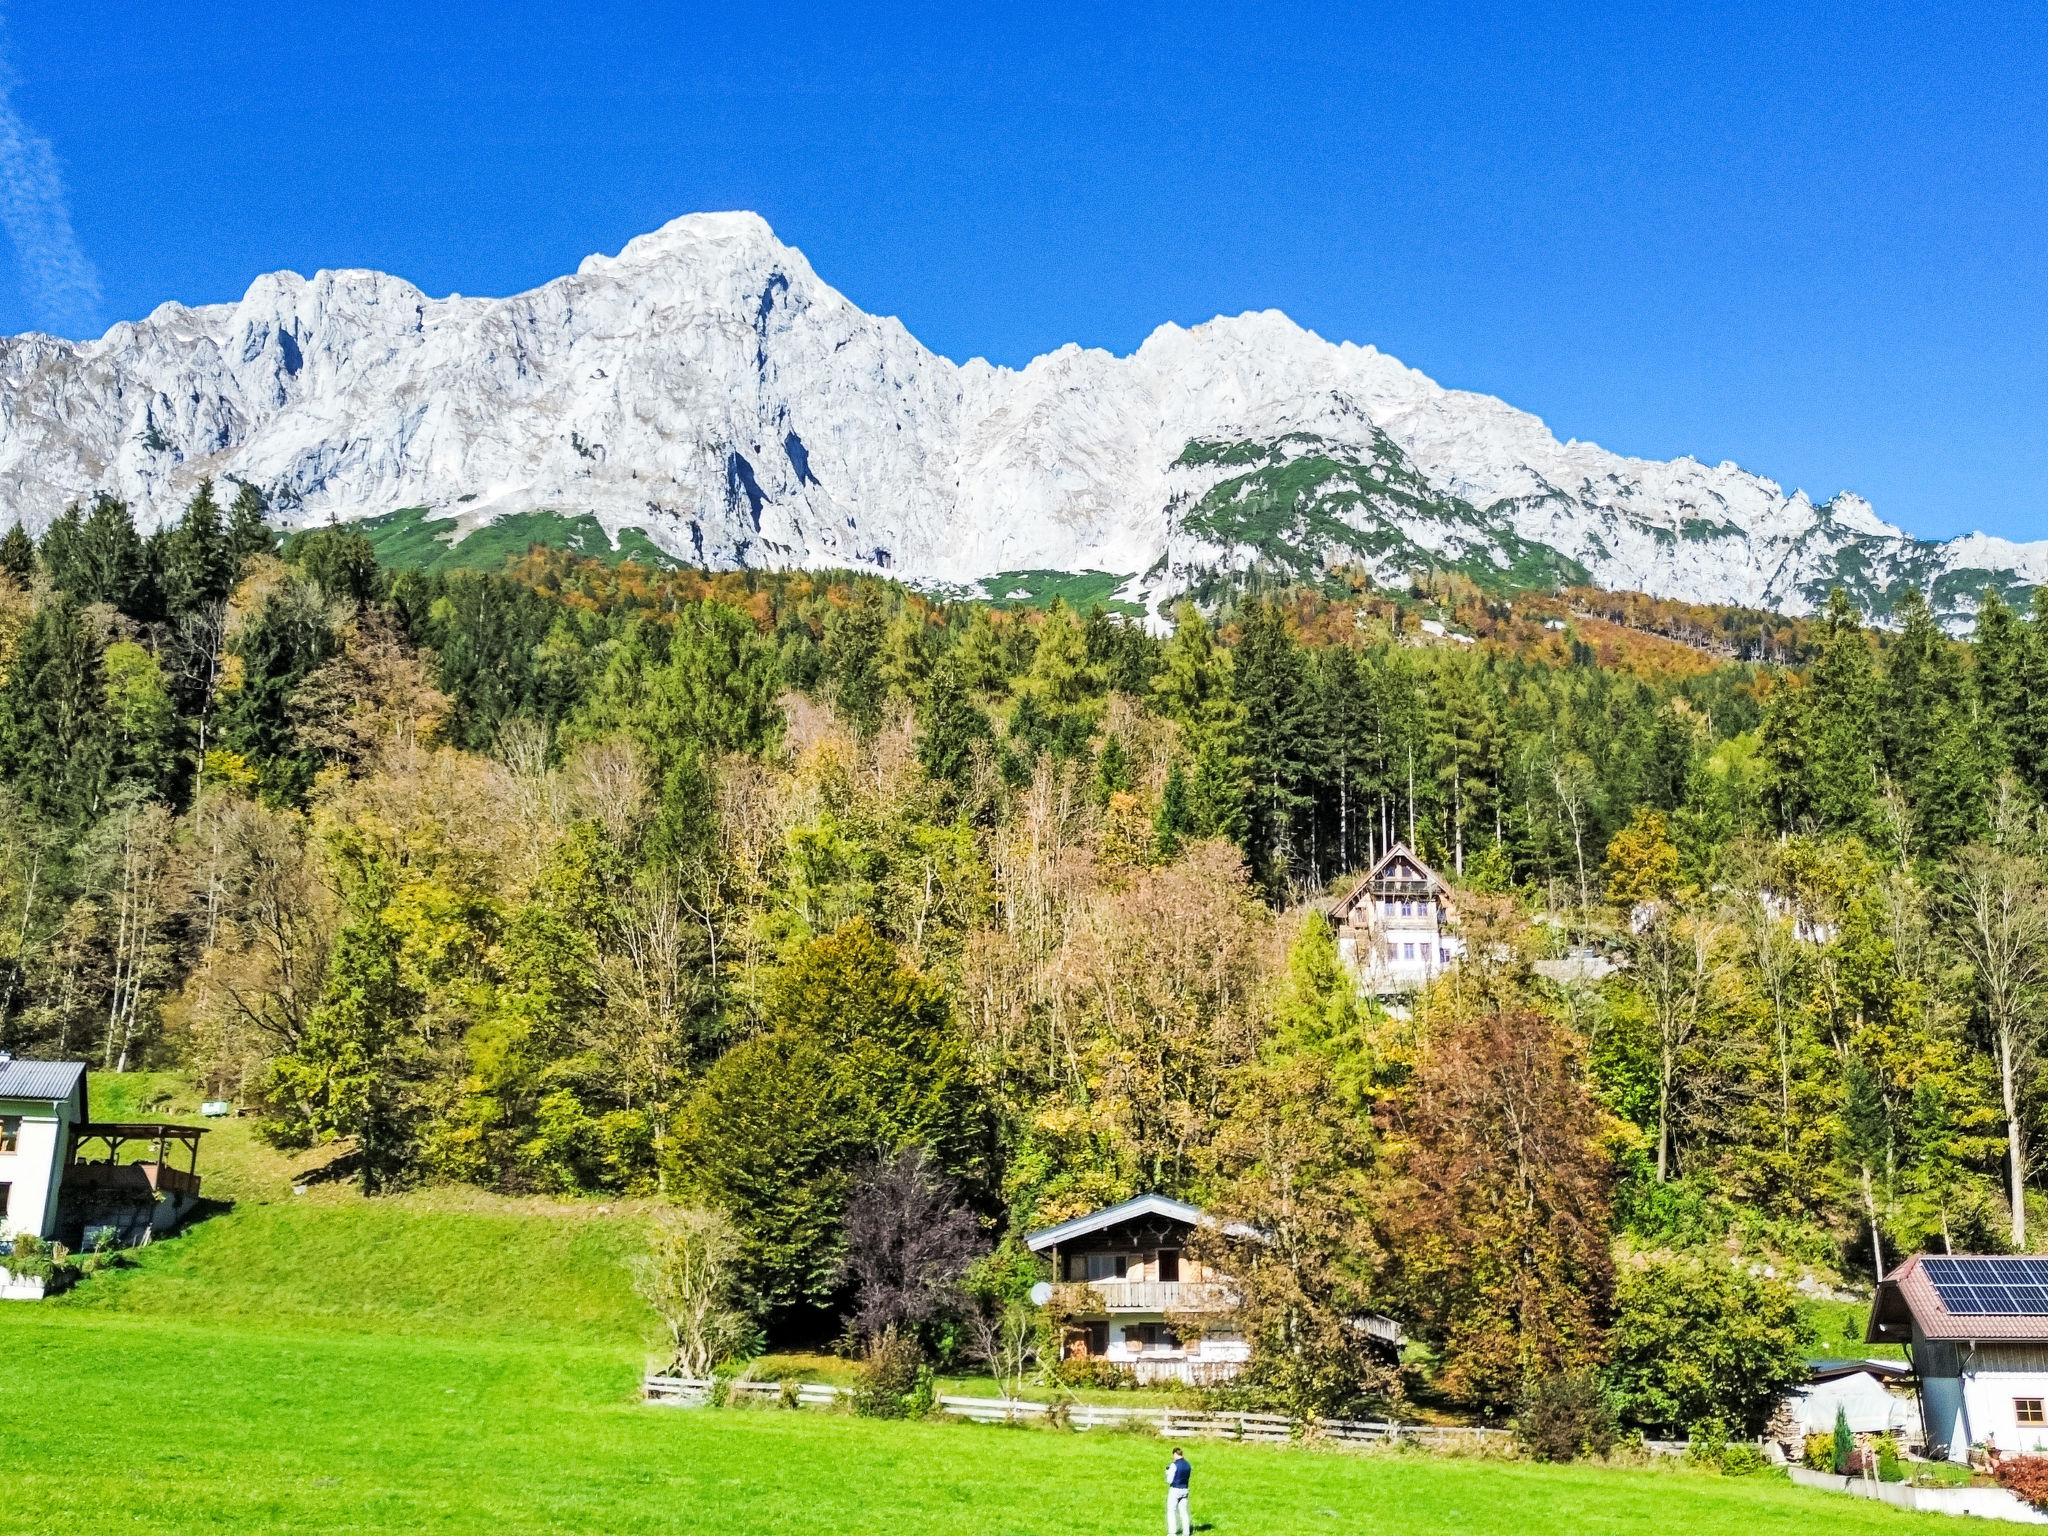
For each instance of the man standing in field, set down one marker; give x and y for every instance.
(1177, 1474)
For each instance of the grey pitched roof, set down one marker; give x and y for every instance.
(1095, 1221)
(52, 1080)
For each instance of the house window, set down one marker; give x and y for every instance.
(1443, 957)
(1407, 951)
(1393, 950)
(1169, 1264)
(2027, 1410)
(5, 1190)
(1148, 1336)
(10, 1132)
(1107, 1266)
(1407, 909)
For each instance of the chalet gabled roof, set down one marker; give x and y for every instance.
(1096, 1221)
(1400, 853)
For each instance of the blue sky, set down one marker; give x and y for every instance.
(1812, 239)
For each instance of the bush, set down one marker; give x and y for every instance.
(1819, 1455)
(1566, 1416)
(1698, 1339)
(1742, 1460)
(1845, 1444)
(2026, 1476)
(1707, 1443)
(1104, 1375)
(888, 1375)
(1889, 1468)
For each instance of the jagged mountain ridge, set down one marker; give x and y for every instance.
(707, 387)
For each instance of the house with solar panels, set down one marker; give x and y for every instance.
(1976, 1330)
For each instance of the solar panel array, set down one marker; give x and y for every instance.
(1990, 1287)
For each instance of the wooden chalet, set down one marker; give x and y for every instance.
(1132, 1295)
(1393, 926)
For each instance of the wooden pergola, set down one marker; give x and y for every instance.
(158, 1170)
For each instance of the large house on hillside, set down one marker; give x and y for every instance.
(1393, 926)
(1131, 1295)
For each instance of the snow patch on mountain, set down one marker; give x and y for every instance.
(706, 386)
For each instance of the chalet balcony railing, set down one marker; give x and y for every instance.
(1163, 1295)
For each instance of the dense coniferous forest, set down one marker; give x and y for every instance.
(734, 888)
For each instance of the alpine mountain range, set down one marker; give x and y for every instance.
(707, 387)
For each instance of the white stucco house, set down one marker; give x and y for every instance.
(40, 1103)
(1976, 1329)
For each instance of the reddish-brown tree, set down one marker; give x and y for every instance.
(1496, 1222)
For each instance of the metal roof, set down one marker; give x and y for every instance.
(1940, 1297)
(54, 1081)
(1095, 1221)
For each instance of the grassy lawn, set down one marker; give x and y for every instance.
(171, 1425)
(451, 1361)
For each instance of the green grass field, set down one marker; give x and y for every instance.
(453, 1362)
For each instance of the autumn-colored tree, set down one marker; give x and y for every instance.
(1496, 1218)
(1642, 862)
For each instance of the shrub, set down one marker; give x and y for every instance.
(2026, 1476)
(1565, 1416)
(924, 1394)
(1889, 1468)
(1707, 1443)
(1742, 1460)
(1819, 1455)
(888, 1375)
(1845, 1443)
(1698, 1338)
(1094, 1371)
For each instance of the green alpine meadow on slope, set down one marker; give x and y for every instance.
(457, 1362)
(176, 1424)
(412, 538)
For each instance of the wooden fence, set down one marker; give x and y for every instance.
(1168, 1422)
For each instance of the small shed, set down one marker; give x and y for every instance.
(1869, 1392)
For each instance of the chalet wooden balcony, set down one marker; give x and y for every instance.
(1162, 1295)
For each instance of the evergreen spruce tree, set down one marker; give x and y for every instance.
(2026, 730)
(1934, 749)
(102, 559)
(1112, 769)
(1999, 652)
(948, 725)
(17, 554)
(1823, 743)
(248, 534)
(1172, 822)
(198, 568)
(853, 661)
(287, 639)
(53, 717)
(1273, 696)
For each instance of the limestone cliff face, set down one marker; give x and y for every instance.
(706, 386)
